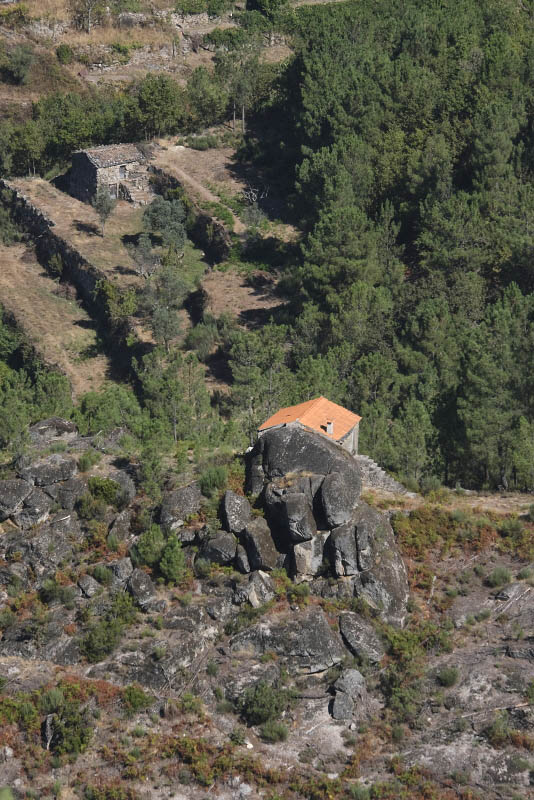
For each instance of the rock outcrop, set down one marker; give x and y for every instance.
(316, 521)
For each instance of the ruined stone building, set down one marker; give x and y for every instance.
(120, 167)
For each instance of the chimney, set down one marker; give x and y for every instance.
(330, 428)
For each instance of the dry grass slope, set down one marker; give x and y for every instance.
(62, 333)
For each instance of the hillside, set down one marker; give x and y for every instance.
(284, 201)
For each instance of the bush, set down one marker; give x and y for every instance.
(498, 733)
(64, 54)
(262, 703)
(237, 736)
(149, 547)
(499, 577)
(104, 636)
(359, 793)
(88, 460)
(202, 142)
(102, 574)
(273, 731)
(134, 699)
(105, 489)
(51, 701)
(172, 564)
(447, 676)
(18, 64)
(72, 730)
(202, 338)
(212, 480)
(88, 507)
(51, 590)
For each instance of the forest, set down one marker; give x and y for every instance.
(400, 135)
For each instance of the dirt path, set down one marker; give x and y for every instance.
(172, 158)
(481, 502)
(61, 332)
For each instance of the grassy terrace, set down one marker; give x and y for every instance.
(59, 329)
(78, 224)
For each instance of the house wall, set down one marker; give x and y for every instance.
(117, 174)
(351, 441)
(83, 178)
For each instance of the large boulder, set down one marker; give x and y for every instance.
(338, 498)
(305, 640)
(361, 638)
(259, 544)
(142, 589)
(67, 493)
(383, 582)
(298, 517)
(310, 488)
(349, 689)
(257, 590)
(180, 504)
(308, 558)
(35, 509)
(219, 548)
(12, 495)
(52, 430)
(50, 469)
(125, 482)
(343, 550)
(236, 512)
(293, 449)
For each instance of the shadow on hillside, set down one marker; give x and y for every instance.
(86, 227)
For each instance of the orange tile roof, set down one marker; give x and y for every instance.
(315, 414)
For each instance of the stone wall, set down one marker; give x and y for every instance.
(83, 275)
(374, 477)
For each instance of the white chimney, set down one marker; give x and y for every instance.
(330, 428)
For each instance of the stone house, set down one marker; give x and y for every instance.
(120, 167)
(322, 416)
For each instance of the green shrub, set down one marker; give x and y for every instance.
(499, 577)
(202, 142)
(172, 563)
(202, 338)
(134, 699)
(102, 574)
(525, 574)
(238, 736)
(64, 54)
(212, 480)
(511, 527)
(359, 793)
(212, 668)
(72, 730)
(447, 676)
(202, 568)
(274, 731)
(89, 507)
(51, 590)
(498, 733)
(105, 489)
(88, 460)
(262, 703)
(149, 547)
(104, 636)
(51, 701)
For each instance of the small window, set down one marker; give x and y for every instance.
(113, 190)
(122, 172)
